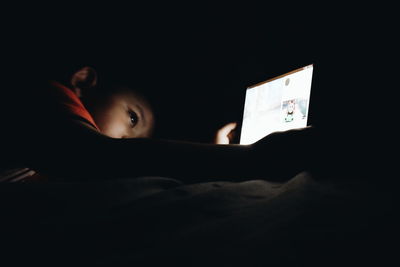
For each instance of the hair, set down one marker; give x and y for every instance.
(87, 80)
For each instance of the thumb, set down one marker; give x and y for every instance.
(228, 128)
(223, 134)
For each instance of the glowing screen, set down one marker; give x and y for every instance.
(278, 104)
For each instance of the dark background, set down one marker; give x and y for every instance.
(195, 61)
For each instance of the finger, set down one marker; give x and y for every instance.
(228, 128)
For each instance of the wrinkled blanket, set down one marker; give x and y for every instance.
(153, 221)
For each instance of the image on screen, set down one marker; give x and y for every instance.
(276, 105)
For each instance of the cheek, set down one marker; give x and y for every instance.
(112, 122)
(144, 129)
(113, 128)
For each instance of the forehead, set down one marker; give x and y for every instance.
(129, 96)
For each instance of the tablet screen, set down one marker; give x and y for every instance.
(277, 104)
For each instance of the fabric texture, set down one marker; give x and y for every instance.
(71, 103)
(156, 221)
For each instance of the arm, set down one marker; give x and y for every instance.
(86, 154)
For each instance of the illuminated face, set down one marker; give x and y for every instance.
(124, 115)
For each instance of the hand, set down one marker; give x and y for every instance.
(284, 154)
(225, 135)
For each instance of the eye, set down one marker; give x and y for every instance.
(133, 118)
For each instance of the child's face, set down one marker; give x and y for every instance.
(124, 115)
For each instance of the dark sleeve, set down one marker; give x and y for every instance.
(72, 151)
(79, 152)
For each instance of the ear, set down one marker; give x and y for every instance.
(83, 79)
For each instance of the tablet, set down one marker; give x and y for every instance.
(277, 104)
